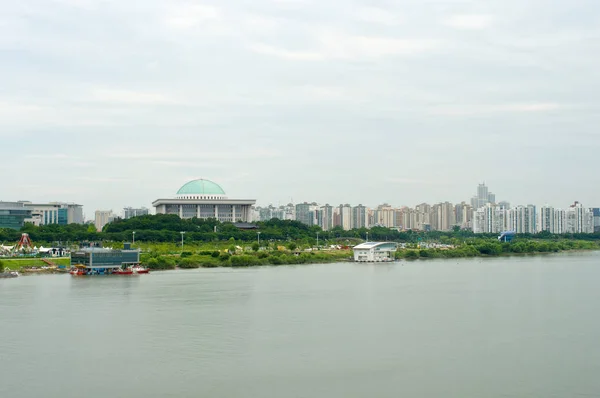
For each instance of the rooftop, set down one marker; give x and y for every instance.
(201, 187)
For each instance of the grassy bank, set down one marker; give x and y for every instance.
(16, 264)
(491, 248)
(240, 258)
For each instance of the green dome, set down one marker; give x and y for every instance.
(201, 187)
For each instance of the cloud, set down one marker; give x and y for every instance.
(266, 49)
(468, 21)
(192, 15)
(129, 97)
(482, 109)
(350, 47)
(377, 16)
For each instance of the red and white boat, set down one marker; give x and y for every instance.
(138, 269)
(78, 272)
(126, 271)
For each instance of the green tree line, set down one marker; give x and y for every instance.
(167, 228)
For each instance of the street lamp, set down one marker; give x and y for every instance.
(133, 233)
(258, 234)
(367, 236)
(317, 240)
(182, 233)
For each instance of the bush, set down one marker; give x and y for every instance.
(224, 256)
(292, 246)
(263, 255)
(215, 254)
(275, 260)
(1, 266)
(255, 246)
(186, 254)
(161, 262)
(188, 263)
(244, 261)
(412, 254)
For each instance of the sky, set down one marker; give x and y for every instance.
(117, 103)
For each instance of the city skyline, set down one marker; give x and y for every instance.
(121, 210)
(343, 101)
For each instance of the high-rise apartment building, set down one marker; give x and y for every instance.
(306, 213)
(489, 219)
(523, 219)
(103, 217)
(359, 217)
(443, 217)
(325, 217)
(385, 216)
(483, 197)
(579, 219)
(596, 215)
(345, 212)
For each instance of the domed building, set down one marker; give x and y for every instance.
(205, 199)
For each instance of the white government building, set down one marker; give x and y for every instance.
(370, 252)
(205, 199)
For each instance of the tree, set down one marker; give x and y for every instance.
(255, 246)
(1, 266)
(292, 246)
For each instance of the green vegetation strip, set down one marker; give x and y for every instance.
(16, 264)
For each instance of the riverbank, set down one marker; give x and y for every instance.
(35, 265)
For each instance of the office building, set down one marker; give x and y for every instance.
(130, 212)
(205, 199)
(13, 215)
(60, 213)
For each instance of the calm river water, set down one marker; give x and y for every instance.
(506, 327)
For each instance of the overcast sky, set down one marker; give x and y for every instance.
(117, 103)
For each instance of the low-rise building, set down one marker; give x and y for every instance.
(100, 260)
(60, 213)
(13, 215)
(130, 212)
(375, 251)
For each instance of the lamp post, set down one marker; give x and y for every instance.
(182, 233)
(133, 241)
(258, 235)
(367, 236)
(317, 240)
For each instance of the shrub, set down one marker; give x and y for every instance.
(224, 256)
(412, 254)
(186, 254)
(243, 261)
(188, 263)
(161, 262)
(215, 254)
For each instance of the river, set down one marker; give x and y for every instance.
(499, 327)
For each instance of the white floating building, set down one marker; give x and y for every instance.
(375, 252)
